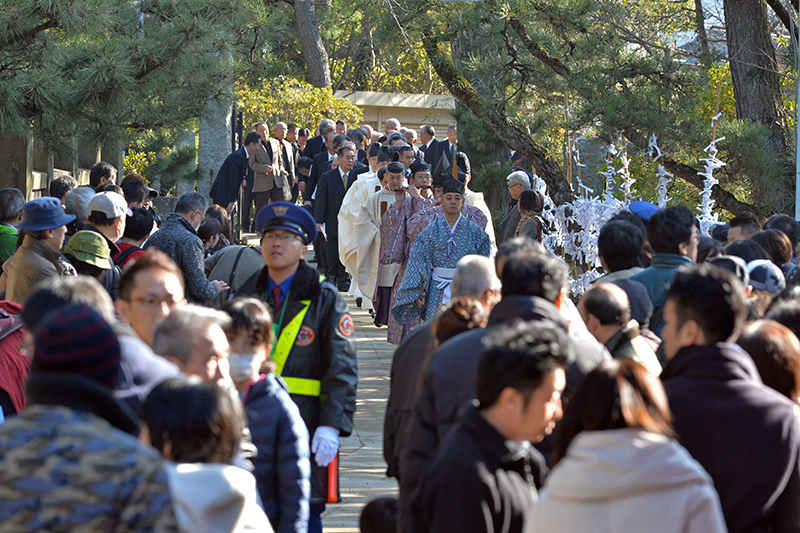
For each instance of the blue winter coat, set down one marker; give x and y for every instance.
(281, 465)
(655, 278)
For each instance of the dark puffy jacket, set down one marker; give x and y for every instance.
(281, 465)
(744, 434)
(450, 380)
(323, 351)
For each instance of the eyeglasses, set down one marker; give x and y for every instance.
(512, 186)
(285, 237)
(152, 301)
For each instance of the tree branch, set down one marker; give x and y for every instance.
(783, 16)
(537, 51)
(724, 199)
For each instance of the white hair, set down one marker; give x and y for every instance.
(475, 274)
(519, 177)
(394, 122)
(176, 335)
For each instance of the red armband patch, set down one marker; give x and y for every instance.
(346, 325)
(305, 336)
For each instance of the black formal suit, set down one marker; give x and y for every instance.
(443, 148)
(314, 146)
(225, 188)
(330, 193)
(296, 155)
(321, 165)
(430, 153)
(361, 157)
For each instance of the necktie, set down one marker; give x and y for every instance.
(344, 180)
(277, 295)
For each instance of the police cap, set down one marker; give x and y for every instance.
(288, 216)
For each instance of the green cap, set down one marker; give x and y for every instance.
(89, 247)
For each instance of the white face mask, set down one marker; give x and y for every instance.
(244, 366)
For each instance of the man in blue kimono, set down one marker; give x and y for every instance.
(432, 261)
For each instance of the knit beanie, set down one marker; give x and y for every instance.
(74, 339)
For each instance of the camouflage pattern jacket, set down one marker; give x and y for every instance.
(78, 468)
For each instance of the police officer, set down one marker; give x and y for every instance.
(314, 352)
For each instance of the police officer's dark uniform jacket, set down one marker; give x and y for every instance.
(323, 351)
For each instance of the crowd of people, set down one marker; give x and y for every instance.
(155, 375)
(137, 394)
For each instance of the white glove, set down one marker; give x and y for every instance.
(325, 444)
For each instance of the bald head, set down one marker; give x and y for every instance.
(608, 302)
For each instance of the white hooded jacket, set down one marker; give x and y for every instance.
(627, 480)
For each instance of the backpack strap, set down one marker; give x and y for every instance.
(538, 224)
(124, 255)
(17, 326)
(236, 263)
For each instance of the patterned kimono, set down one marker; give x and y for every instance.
(396, 243)
(437, 247)
(415, 216)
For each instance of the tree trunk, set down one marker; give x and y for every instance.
(700, 22)
(754, 69)
(311, 44)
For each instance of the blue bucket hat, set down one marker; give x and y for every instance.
(288, 216)
(43, 214)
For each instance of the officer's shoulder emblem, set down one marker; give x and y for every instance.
(346, 325)
(305, 336)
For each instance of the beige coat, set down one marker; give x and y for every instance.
(627, 480)
(267, 170)
(32, 263)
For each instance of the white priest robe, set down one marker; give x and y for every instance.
(476, 199)
(368, 229)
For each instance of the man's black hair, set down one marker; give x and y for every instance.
(519, 356)
(719, 232)
(747, 250)
(110, 187)
(304, 132)
(252, 137)
(534, 274)
(304, 162)
(429, 130)
(99, 171)
(711, 296)
(670, 227)
(402, 149)
(135, 191)
(620, 245)
(748, 222)
(787, 225)
(373, 150)
(61, 185)
(631, 218)
(609, 310)
(139, 225)
(356, 136)
(788, 314)
(379, 516)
